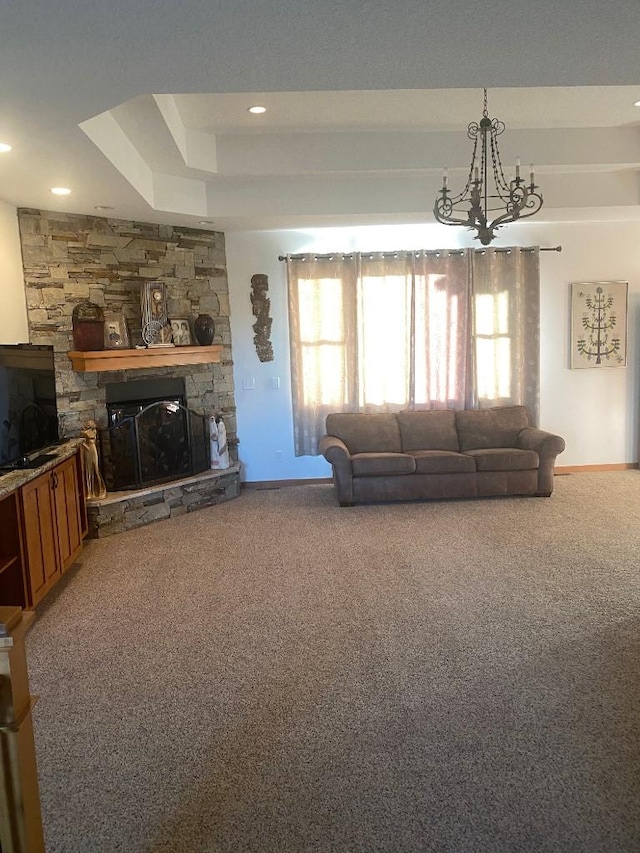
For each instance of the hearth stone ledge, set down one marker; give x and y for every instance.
(126, 510)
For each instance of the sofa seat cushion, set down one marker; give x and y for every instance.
(504, 459)
(497, 427)
(428, 430)
(382, 464)
(364, 433)
(443, 462)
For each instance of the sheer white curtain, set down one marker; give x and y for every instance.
(506, 328)
(323, 340)
(441, 330)
(388, 331)
(384, 294)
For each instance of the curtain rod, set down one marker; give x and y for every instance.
(333, 255)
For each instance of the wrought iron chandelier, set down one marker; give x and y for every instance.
(476, 207)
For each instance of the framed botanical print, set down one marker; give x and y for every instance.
(599, 324)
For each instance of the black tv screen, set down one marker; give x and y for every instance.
(28, 412)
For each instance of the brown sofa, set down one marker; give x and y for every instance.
(439, 454)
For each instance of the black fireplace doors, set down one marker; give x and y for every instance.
(154, 443)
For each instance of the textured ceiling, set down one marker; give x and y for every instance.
(390, 89)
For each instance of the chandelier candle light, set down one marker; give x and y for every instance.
(475, 206)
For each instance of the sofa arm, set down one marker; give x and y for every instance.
(544, 443)
(337, 453)
(547, 446)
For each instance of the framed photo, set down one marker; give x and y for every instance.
(116, 334)
(599, 324)
(181, 330)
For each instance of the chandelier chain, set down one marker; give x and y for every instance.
(501, 181)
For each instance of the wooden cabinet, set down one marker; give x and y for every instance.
(67, 499)
(52, 526)
(13, 586)
(42, 524)
(38, 508)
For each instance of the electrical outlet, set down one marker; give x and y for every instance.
(275, 382)
(278, 455)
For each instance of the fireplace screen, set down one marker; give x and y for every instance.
(155, 443)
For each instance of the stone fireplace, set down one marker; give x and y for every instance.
(70, 258)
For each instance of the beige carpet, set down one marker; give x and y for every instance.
(279, 674)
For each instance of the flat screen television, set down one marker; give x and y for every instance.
(28, 412)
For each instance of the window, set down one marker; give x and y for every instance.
(322, 341)
(384, 315)
(382, 332)
(493, 346)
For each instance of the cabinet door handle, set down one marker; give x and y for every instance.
(54, 477)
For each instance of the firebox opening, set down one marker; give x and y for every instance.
(145, 390)
(151, 437)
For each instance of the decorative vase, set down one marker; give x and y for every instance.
(204, 328)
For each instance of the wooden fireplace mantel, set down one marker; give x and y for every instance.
(130, 359)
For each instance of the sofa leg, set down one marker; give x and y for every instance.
(347, 503)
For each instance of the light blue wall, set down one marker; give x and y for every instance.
(595, 410)
(264, 413)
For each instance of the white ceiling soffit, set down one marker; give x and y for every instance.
(197, 147)
(365, 153)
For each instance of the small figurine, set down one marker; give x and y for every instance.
(96, 489)
(219, 446)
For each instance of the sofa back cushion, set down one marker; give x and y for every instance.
(497, 427)
(435, 430)
(364, 433)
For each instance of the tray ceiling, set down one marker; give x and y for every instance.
(144, 111)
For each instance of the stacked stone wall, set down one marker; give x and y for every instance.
(136, 509)
(70, 258)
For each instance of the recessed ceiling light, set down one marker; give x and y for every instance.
(257, 109)
(4, 147)
(60, 190)
(637, 104)
(103, 207)
(206, 222)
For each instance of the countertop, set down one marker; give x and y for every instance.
(12, 480)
